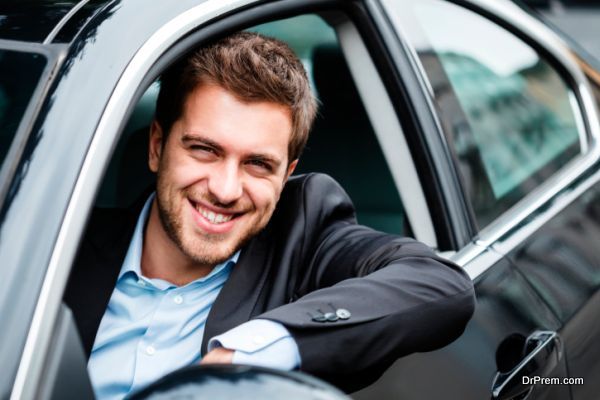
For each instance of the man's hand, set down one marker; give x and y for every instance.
(219, 355)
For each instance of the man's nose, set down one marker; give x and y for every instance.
(225, 183)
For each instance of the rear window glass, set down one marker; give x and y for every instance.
(19, 76)
(510, 116)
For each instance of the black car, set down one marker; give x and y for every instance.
(469, 125)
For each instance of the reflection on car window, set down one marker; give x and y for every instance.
(19, 75)
(511, 118)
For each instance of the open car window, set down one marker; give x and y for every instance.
(342, 143)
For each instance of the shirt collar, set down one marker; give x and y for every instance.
(133, 259)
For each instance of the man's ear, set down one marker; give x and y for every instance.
(290, 169)
(155, 146)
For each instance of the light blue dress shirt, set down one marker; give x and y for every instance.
(152, 327)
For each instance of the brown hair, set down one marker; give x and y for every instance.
(251, 66)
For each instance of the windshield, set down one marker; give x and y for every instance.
(19, 75)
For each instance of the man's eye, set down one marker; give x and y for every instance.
(198, 147)
(261, 164)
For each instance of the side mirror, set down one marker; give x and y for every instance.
(240, 382)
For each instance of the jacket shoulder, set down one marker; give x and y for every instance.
(316, 197)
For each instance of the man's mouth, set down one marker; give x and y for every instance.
(214, 217)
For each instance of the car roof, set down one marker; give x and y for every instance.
(45, 20)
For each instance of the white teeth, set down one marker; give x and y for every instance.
(214, 218)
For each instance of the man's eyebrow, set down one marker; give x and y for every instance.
(191, 137)
(196, 138)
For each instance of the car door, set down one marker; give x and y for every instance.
(517, 115)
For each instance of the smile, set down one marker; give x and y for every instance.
(214, 218)
(211, 220)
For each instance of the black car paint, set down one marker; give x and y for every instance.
(561, 263)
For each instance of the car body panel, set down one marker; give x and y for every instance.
(465, 369)
(560, 260)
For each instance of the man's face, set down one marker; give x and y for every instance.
(220, 172)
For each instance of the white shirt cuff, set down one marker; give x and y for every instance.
(260, 342)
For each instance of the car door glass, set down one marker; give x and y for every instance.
(19, 76)
(509, 116)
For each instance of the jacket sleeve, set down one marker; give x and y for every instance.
(394, 296)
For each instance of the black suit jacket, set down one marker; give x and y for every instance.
(312, 258)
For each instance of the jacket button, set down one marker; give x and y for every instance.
(343, 313)
(319, 318)
(331, 317)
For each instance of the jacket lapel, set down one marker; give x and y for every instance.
(97, 267)
(238, 297)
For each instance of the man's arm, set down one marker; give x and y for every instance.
(402, 298)
(405, 300)
(363, 298)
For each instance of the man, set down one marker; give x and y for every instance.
(231, 260)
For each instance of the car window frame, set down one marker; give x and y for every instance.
(388, 131)
(583, 134)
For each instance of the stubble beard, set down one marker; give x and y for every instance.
(203, 249)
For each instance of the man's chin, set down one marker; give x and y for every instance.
(213, 259)
(214, 249)
(210, 254)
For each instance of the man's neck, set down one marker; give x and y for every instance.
(162, 258)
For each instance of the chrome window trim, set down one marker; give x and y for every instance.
(476, 259)
(389, 132)
(545, 193)
(519, 234)
(579, 121)
(57, 273)
(510, 220)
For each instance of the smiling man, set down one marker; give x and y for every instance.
(220, 173)
(231, 260)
